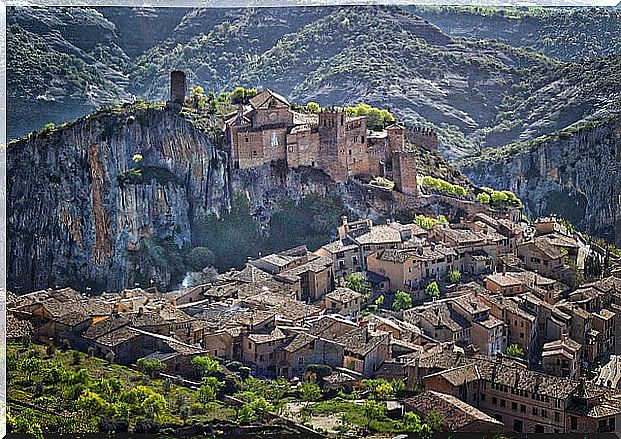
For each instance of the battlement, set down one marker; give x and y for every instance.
(424, 137)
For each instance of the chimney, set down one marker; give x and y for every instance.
(344, 219)
(178, 86)
(504, 268)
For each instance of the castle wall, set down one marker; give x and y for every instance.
(424, 137)
(303, 148)
(273, 115)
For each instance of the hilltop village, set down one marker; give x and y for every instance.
(494, 322)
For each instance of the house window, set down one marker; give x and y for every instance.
(544, 413)
(557, 416)
(261, 357)
(535, 411)
(249, 345)
(539, 428)
(301, 360)
(494, 400)
(574, 422)
(483, 397)
(274, 141)
(514, 406)
(502, 403)
(523, 408)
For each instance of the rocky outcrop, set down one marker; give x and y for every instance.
(574, 174)
(74, 218)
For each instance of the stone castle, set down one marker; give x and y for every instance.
(268, 129)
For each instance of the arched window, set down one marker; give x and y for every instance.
(274, 142)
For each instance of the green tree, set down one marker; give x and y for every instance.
(379, 301)
(209, 389)
(384, 391)
(483, 198)
(150, 366)
(434, 420)
(313, 107)
(309, 392)
(200, 257)
(402, 301)
(454, 276)
(356, 282)
(515, 350)
(433, 290)
(206, 365)
(411, 422)
(373, 411)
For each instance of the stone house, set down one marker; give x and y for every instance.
(440, 322)
(540, 256)
(503, 283)
(263, 352)
(412, 269)
(365, 350)
(487, 333)
(457, 415)
(562, 357)
(306, 348)
(343, 301)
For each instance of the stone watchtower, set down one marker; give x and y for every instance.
(178, 87)
(332, 143)
(404, 172)
(396, 137)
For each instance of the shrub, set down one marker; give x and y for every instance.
(320, 370)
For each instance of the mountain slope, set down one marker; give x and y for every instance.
(568, 34)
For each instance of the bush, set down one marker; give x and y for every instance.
(320, 370)
(147, 426)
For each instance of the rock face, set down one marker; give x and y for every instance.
(70, 216)
(574, 176)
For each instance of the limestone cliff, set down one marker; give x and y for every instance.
(72, 217)
(573, 173)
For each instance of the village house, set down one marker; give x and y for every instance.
(521, 325)
(528, 401)
(441, 322)
(541, 256)
(503, 283)
(562, 357)
(313, 273)
(457, 416)
(365, 350)
(412, 269)
(487, 333)
(343, 301)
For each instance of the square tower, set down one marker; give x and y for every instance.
(333, 143)
(404, 172)
(178, 86)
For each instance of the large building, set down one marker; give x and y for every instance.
(267, 129)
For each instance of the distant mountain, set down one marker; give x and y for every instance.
(480, 82)
(568, 34)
